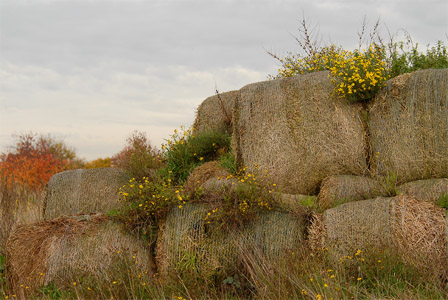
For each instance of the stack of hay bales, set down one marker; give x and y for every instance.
(186, 242)
(83, 191)
(417, 229)
(215, 113)
(408, 125)
(66, 248)
(337, 189)
(425, 189)
(297, 130)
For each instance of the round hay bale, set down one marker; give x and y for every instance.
(64, 249)
(425, 189)
(408, 125)
(338, 189)
(202, 174)
(215, 113)
(298, 131)
(185, 245)
(417, 229)
(83, 191)
(185, 241)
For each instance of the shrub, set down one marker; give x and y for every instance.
(138, 158)
(358, 75)
(185, 151)
(34, 159)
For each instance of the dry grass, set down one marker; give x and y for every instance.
(59, 250)
(338, 189)
(416, 229)
(298, 131)
(425, 189)
(408, 126)
(83, 191)
(215, 113)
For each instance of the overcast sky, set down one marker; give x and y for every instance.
(92, 72)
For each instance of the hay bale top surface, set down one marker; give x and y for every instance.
(56, 250)
(83, 191)
(215, 113)
(408, 124)
(298, 131)
(200, 175)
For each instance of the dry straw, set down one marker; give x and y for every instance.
(417, 229)
(186, 241)
(339, 189)
(215, 113)
(297, 130)
(200, 175)
(408, 124)
(64, 249)
(83, 191)
(425, 189)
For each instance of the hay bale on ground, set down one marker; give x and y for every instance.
(83, 191)
(298, 131)
(408, 125)
(417, 229)
(200, 175)
(338, 189)
(64, 249)
(425, 189)
(215, 113)
(185, 241)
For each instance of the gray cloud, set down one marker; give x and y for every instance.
(94, 71)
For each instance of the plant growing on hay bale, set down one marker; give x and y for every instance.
(185, 151)
(357, 75)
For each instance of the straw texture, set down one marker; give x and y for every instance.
(83, 191)
(408, 125)
(425, 189)
(338, 189)
(296, 130)
(215, 113)
(63, 249)
(416, 229)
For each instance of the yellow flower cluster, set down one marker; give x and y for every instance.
(358, 75)
(179, 137)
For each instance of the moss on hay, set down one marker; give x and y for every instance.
(408, 124)
(83, 191)
(298, 131)
(425, 189)
(215, 113)
(338, 189)
(66, 248)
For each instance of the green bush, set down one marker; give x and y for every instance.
(185, 151)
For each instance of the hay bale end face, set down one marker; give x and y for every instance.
(83, 191)
(215, 113)
(426, 189)
(417, 229)
(64, 249)
(408, 125)
(298, 131)
(200, 175)
(338, 189)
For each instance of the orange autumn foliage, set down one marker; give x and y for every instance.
(34, 159)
